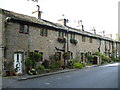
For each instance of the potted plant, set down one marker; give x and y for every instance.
(62, 39)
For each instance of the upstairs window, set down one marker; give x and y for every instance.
(61, 34)
(72, 36)
(24, 29)
(90, 40)
(83, 38)
(43, 32)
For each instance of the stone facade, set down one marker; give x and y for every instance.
(20, 42)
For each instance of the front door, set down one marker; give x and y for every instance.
(18, 57)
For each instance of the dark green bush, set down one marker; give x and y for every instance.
(40, 67)
(55, 65)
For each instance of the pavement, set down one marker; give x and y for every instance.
(26, 76)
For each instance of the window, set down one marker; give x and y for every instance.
(83, 38)
(36, 51)
(41, 53)
(43, 32)
(24, 29)
(90, 40)
(72, 36)
(61, 34)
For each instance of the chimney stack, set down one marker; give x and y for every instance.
(63, 21)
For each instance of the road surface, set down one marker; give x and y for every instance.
(105, 76)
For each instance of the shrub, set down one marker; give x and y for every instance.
(78, 65)
(28, 62)
(45, 63)
(55, 65)
(102, 62)
(74, 41)
(97, 53)
(66, 55)
(88, 64)
(40, 67)
(62, 39)
(90, 58)
(36, 56)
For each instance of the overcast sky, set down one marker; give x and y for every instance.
(101, 14)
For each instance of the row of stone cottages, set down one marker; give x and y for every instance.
(20, 34)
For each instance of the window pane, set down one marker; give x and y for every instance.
(41, 31)
(26, 29)
(21, 28)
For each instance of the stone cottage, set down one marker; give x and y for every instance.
(20, 34)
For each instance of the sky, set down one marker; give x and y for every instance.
(100, 14)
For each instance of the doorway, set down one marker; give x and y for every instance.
(18, 58)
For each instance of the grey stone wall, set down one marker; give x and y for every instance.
(20, 42)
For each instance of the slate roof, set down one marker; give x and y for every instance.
(34, 20)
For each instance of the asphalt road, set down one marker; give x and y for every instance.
(105, 76)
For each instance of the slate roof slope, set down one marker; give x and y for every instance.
(51, 24)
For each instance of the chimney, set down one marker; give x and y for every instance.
(80, 25)
(63, 21)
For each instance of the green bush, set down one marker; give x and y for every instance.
(88, 64)
(97, 53)
(78, 65)
(66, 55)
(102, 62)
(40, 67)
(55, 65)
(36, 56)
(28, 62)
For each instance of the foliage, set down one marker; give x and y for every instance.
(31, 60)
(97, 54)
(62, 39)
(54, 57)
(28, 61)
(102, 62)
(55, 65)
(40, 67)
(77, 65)
(90, 57)
(36, 56)
(88, 64)
(45, 63)
(74, 41)
(66, 55)
(105, 58)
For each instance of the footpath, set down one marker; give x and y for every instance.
(26, 76)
